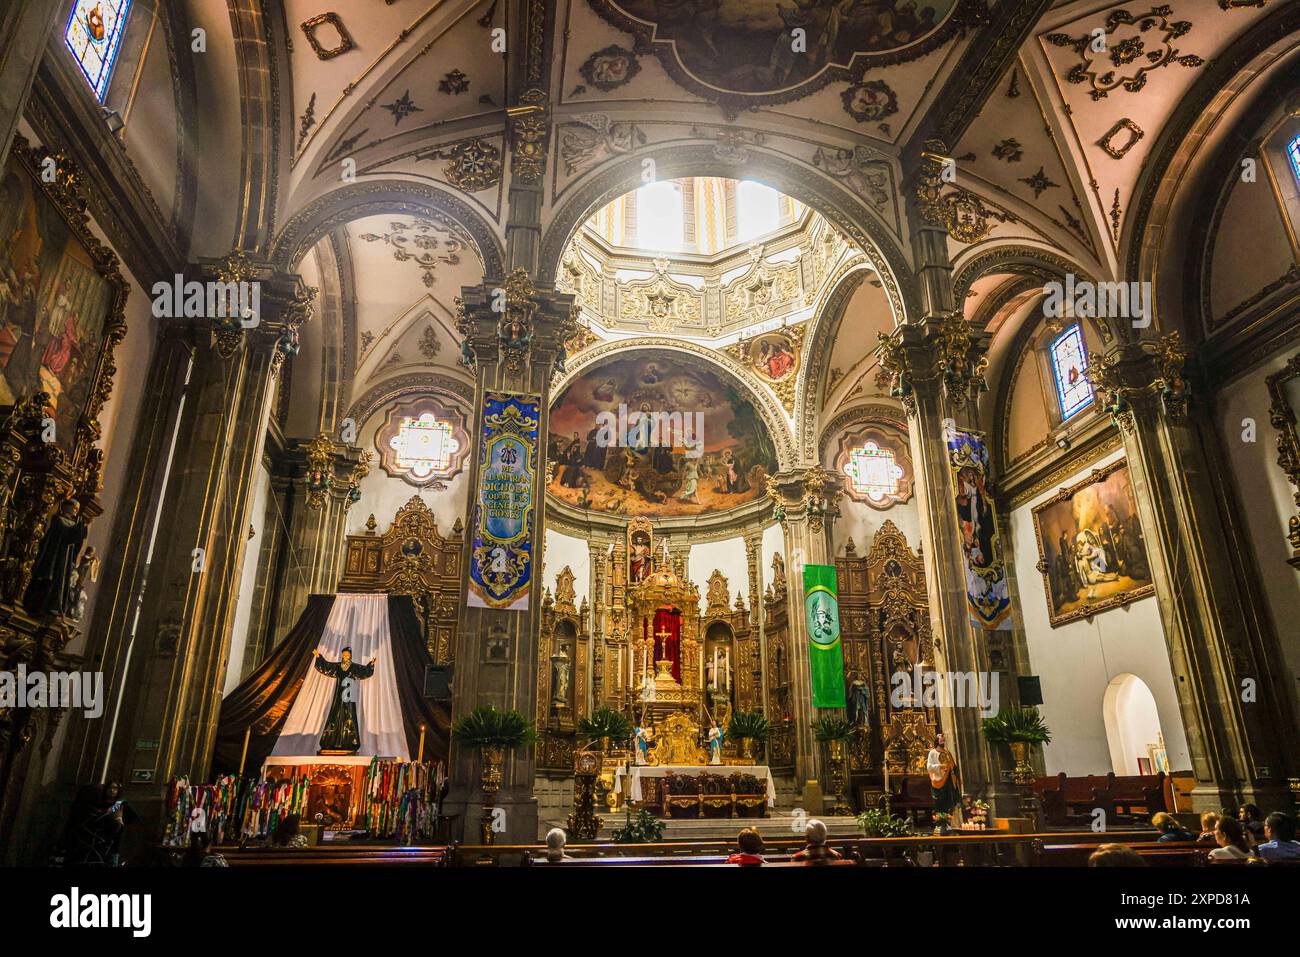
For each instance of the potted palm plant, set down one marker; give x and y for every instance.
(1020, 729)
(749, 727)
(492, 732)
(606, 725)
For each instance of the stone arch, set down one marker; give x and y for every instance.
(1157, 190)
(358, 200)
(826, 325)
(764, 401)
(861, 224)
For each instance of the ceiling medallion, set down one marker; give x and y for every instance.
(869, 102)
(425, 242)
(472, 166)
(877, 466)
(422, 440)
(342, 45)
(753, 56)
(1039, 182)
(402, 107)
(610, 68)
(1108, 144)
(454, 83)
(775, 357)
(1146, 48)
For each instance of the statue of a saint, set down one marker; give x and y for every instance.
(53, 585)
(859, 702)
(342, 734)
(642, 745)
(560, 666)
(715, 744)
(945, 781)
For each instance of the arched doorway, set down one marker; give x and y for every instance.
(1132, 725)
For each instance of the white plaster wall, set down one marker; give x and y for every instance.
(1265, 498)
(728, 557)
(561, 550)
(1077, 661)
(861, 522)
(247, 580)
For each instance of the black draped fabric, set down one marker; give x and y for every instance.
(410, 657)
(263, 699)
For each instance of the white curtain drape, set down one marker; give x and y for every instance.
(361, 623)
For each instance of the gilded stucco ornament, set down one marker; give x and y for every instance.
(515, 328)
(228, 331)
(959, 212)
(320, 470)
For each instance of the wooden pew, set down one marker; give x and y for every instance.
(353, 855)
(1071, 801)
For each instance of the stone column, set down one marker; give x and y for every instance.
(1225, 658)
(325, 480)
(805, 507)
(166, 605)
(25, 30)
(515, 334)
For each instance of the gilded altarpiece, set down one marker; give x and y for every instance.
(412, 558)
(776, 635)
(563, 674)
(60, 319)
(884, 617)
(727, 626)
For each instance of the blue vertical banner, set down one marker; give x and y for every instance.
(988, 596)
(501, 546)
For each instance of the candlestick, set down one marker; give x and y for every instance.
(244, 756)
(421, 756)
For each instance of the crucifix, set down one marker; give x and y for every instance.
(661, 648)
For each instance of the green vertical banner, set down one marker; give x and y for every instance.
(825, 653)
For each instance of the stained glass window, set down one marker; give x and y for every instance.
(1293, 151)
(424, 445)
(873, 472)
(1068, 362)
(94, 35)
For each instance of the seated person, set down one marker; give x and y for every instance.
(751, 849)
(555, 841)
(200, 853)
(98, 818)
(1252, 819)
(1115, 855)
(1209, 821)
(1231, 838)
(1281, 845)
(1171, 832)
(286, 834)
(816, 851)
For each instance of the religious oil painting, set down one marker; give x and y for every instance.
(54, 304)
(1091, 550)
(657, 436)
(773, 47)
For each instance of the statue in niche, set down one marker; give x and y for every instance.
(859, 701)
(53, 588)
(560, 669)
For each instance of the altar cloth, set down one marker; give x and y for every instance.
(761, 771)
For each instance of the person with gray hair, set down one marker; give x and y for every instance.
(555, 840)
(816, 851)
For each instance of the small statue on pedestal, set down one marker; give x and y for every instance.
(642, 745)
(715, 744)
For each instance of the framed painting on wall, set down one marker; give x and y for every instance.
(1091, 550)
(61, 299)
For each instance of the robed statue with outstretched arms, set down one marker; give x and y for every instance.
(342, 734)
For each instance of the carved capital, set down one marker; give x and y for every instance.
(942, 351)
(1148, 372)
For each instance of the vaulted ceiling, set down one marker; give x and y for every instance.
(1063, 119)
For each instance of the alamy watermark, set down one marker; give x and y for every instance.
(53, 689)
(1085, 299)
(645, 429)
(945, 689)
(179, 299)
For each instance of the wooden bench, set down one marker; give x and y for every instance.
(1125, 800)
(348, 855)
(1153, 854)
